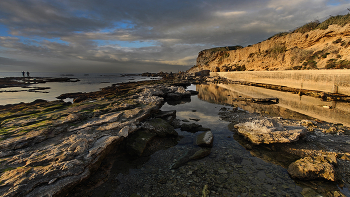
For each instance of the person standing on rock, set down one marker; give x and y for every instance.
(23, 73)
(27, 74)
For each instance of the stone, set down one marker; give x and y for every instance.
(201, 153)
(173, 96)
(192, 154)
(331, 130)
(308, 123)
(160, 127)
(124, 132)
(167, 115)
(268, 131)
(205, 139)
(308, 192)
(193, 127)
(138, 142)
(309, 168)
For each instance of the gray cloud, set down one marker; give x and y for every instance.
(178, 30)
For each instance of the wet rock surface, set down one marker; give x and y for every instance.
(270, 131)
(79, 149)
(226, 169)
(312, 168)
(48, 147)
(317, 155)
(205, 139)
(193, 127)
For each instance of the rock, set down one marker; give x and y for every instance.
(189, 155)
(173, 96)
(72, 118)
(169, 116)
(160, 127)
(332, 130)
(177, 93)
(201, 153)
(176, 123)
(308, 123)
(137, 142)
(124, 132)
(308, 192)
(51, 146)
(309, 168)
(269, 131)
(193, 127)
(205, 139)
(183, 159)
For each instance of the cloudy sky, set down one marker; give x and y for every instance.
(134, 36)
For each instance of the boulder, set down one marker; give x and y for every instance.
(167, 115)
(137, 142)
(177, 93)
(205, 139)
(160, 127)
(193, 127)
(267, 131)
(313, 168)
(192, 154)
(201, 153)
(173, 96)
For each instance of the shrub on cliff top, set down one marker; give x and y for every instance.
(278, 35)
(340, 20)
(307, 27)
(228, 48)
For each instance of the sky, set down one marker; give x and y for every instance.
(136, 36)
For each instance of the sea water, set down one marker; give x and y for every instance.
(89, 82)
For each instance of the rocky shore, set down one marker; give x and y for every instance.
(49, 148)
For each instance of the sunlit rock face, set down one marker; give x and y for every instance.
(313, 168)
(268, 131)
(311, 50)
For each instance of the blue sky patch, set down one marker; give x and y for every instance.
(4, 30)
(333, 2)
(129, 44)
(118, 25)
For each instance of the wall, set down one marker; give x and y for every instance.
(333, 81)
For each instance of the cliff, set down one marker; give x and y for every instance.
(313, 46)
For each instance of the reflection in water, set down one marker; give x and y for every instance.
(289, 106)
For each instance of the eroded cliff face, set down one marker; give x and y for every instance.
(317, 49)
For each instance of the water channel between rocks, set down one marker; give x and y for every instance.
(229, 170)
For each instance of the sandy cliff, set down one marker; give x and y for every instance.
(316, 49)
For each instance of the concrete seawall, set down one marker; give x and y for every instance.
(333, 81)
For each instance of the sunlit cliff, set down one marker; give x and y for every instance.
(315, 45)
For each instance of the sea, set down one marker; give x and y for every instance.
(89, 82)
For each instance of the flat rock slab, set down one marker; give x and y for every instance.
(268, 131)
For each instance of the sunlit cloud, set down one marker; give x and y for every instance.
(231, 13)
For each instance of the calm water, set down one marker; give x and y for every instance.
(230, 169)
(290, 105)
(88, 83)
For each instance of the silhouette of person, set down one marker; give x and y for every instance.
(23, 73)
(27, 74)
